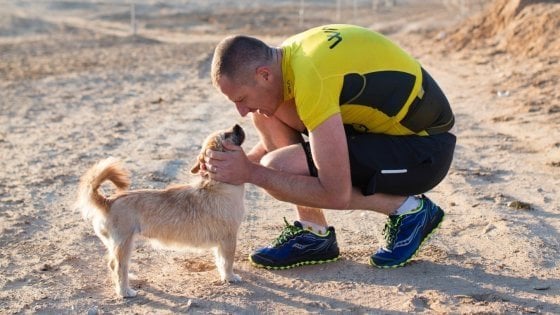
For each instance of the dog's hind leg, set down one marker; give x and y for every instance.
(105, 236)
(225, 255)
(120, 260)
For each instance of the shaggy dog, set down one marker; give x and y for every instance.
(206, 214)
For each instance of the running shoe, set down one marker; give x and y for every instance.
(297, 246)
(405, 233)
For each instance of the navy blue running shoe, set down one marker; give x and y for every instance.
(405, 233)
(297, 246)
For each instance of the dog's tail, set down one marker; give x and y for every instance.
(90, 200)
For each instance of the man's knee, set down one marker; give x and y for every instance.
(288, 159)
(269, 161)
(274, 161)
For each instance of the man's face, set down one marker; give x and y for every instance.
(257, 97)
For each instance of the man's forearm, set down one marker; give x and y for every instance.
(297, 189)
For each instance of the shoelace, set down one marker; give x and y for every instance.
(390, 230)
(288, 233)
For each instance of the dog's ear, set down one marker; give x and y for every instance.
(196, 167)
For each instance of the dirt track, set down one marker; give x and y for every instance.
(76, 87)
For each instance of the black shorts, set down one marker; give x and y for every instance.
(403, 165)
(398, 165)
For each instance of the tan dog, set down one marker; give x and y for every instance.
(206, 214)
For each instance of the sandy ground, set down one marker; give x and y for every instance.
(75, 87)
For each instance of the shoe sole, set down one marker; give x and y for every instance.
(371, 262)
(301, 263)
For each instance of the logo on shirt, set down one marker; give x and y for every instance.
(289, 86)
(332, 35)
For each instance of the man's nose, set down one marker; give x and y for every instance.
(242, 110)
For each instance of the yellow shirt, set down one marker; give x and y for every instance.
(352, 70)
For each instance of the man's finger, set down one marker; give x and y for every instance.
(231, 147)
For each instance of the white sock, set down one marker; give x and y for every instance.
(410, 204)
(313, 227)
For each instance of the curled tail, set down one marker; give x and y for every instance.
(90, 200)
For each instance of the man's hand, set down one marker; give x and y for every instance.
(232, 166)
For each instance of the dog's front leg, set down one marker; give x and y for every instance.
(225, 255)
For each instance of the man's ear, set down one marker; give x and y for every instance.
(263, 72)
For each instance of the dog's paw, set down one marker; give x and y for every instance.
(233, 278)
(128, 293)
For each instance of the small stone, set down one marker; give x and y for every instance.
(94, 310)
(46, 267)
(520, 205)
(542, 288)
